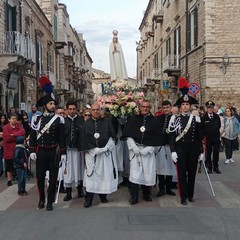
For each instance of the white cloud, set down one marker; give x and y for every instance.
(96, 19)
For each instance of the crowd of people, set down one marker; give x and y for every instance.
(93, 152)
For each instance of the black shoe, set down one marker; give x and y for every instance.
(191, 200)
(67, 198)
(133, 201)
(147, 198)
(49, 206)
(62, 190)
(209, 171)
(170, 192)
(161, 193)
(9, 183)
(1, 173)
(41, 205)
(216, 170)
(183, 201)
(87, 204)
(104, 201)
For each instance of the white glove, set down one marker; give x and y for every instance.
(33, 156)
(102, 150)
(97, 151)
(201, 157)
(63, 158)
(147, 150)
(136, 151)
(174, 157)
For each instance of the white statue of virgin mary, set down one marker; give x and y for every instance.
(117, 63)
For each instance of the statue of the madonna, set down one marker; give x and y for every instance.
(117, 63)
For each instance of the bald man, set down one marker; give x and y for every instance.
(98, 144)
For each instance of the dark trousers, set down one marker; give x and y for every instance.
(21, 174)
(134, 190)
(187, 167)
(228, 147)
(212, 146)
(89, 197)
(164, 181)
(46, 161)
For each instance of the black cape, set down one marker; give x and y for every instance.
(103, 126)
(150, 137)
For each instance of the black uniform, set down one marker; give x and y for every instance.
(188, 149)
(211, 130)
(49, 147)
(72, 132)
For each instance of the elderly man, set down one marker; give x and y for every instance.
(98, 144)
(142, 138)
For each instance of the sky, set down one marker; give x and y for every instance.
(96, 19)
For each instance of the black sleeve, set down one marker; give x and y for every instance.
(33, 141)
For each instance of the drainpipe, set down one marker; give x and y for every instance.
(186, 56)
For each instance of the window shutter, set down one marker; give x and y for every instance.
(14, 19)
(175, 42)
(196, 27)
(179, 39)
(189, 32)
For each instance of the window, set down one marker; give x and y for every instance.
(39, 56)
(49, 62)
(168, 46)
(11, 18)
(192, 29)
(177, 45)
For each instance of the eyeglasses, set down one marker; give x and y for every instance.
(95, 110)
(87, 115)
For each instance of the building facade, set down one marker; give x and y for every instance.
(195, 39)
(37, 39)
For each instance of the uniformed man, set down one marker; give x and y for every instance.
(98, 144)
(142, 133)
(165, 167)
(74, 166)
(185, 141)
(47, 146)
(211, 124)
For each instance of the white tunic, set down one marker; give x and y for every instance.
(119, 150)
(100, 168)
(142, 166)
(164, 163)
(74, 168)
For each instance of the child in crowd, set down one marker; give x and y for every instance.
(20, 161)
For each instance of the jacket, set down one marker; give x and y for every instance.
(235, 128)
(20, 156)
(9, 137)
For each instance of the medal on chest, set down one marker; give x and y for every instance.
(96, 135)
(142, 129)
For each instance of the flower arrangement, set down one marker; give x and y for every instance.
(120, 102)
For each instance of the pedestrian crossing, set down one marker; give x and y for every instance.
(226, 197)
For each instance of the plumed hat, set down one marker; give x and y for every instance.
(46, 85)
(210, 104)
(183, 88)
(46, 99)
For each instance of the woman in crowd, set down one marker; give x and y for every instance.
(86, 114)
(3, 122)
(230, 133)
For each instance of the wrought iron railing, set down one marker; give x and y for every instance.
(13, 42)
(171, 61)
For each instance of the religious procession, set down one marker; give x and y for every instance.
(119, 141)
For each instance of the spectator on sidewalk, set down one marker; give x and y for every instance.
(20, 161)
(10, 131)
(230, 133)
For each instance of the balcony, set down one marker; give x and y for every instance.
(158, 18)
(171, 65)
(17, 52)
